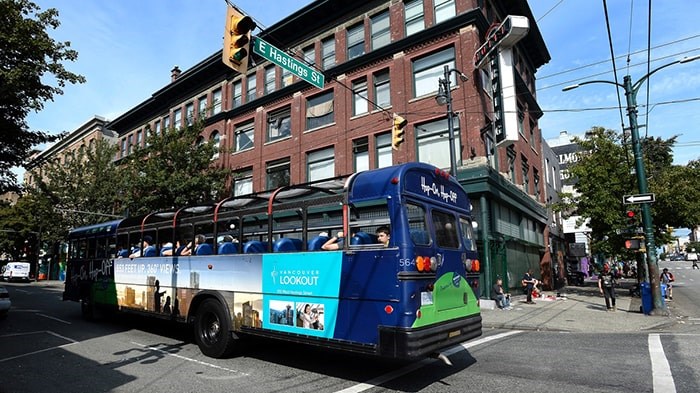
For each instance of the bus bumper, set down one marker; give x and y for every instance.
(408, 343)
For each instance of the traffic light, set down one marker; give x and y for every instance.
(397, 131)
(631, 217)
(237, 40)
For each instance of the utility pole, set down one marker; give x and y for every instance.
(631, 95)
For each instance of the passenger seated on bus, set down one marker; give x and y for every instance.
(192, 248)
(123, 253)
(317, 242)
(286, 244)
(167, 246)
(147, 248)
(383, 235)
(334, 243)
(227, 246)
(173, 250)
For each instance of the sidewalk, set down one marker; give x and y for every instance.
(578, 309)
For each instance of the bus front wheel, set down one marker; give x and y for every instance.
(212, 330)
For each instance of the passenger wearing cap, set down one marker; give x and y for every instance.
(148, 249)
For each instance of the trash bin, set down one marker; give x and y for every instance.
(647, 301)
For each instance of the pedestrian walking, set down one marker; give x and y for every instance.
(606, 285)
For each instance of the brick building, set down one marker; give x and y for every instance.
(379, 58)
(84, 137)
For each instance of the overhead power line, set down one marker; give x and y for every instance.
(618, 57)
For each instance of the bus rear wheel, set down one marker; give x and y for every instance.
(212, 330)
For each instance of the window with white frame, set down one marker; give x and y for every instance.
(156, 127)
(270, 79)
(359, 96)
(380, 30)
(319, 110)
(433, 140)
(383, 143)
(237, 94)
(123, 149)
(356, 41)
(279, 124)
(320, 164)
(139, 138)
(444, 10)
(244, 135)
(328, 52)
(277, 174)
(428, 70)
(413, 11)
(177, 118)
(202, 106)
(216, 101)
(243, 183)
(189, 113)
(251, 88)
(166, 123)
(215, 138)
(382, 89)
(360, 154)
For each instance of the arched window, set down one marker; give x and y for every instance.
(216, 140)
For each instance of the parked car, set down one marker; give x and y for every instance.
(16, 271)
(678, 257)
(5, 303)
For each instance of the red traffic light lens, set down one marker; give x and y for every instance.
(630, 214)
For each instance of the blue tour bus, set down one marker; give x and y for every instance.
(257, 267)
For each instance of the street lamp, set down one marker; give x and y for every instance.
(631, 94)
(444, 97)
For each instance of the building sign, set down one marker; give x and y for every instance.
(507, 34)
(289, 63)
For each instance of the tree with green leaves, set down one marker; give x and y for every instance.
(82, 188)
(76, 192)
(29, 61)
(604, 174)
(174, 169)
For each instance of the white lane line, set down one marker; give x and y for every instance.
(660, 369)
(54, 318)
(190, 359)
(374, 382)
(72, 342)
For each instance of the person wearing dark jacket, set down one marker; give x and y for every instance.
(606, 286)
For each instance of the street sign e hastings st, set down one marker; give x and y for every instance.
(287, 62)
(639, 198)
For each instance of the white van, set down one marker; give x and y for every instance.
(16, 271)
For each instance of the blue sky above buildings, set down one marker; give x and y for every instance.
(128, 47)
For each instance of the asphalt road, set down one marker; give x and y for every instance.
(45, 346)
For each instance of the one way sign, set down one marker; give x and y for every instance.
(639, 198)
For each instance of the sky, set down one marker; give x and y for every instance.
(128, 47)
(576, 36)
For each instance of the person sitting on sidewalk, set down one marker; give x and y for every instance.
(529, 283)
(667, 279)
(502, 298)
(606, 285)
